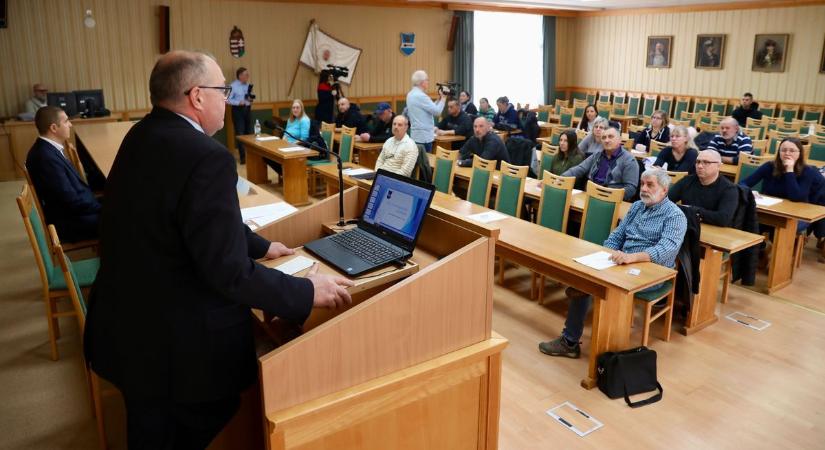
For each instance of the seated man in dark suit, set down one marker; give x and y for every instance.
(712, 197)
(380, 127)
(484, 143)
(68, 202)
(456, 122)
(349, 115)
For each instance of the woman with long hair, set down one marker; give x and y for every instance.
(657, 131)
(589, 116)
(681, 155)
(569, 154)
(298, 123)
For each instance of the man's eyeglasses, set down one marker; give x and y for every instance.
(225, 89)
(699, 162)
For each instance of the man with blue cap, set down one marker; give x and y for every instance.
(380, 125)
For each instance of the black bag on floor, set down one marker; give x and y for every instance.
(622, 374)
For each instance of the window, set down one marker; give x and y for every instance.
(508, 57)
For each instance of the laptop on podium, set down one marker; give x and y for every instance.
(387, 229)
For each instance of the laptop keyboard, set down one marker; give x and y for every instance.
(366, 248)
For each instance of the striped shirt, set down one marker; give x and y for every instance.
(740, 143)
(657, 230)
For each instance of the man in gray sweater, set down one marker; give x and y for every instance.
(612, 167)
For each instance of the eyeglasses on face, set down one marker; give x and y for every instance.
(226, 90)
(701, 162)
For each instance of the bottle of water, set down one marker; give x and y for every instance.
(257, 128)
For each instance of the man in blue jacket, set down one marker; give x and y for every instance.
(68, 202)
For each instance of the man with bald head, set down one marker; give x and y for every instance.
(38, 99)
(484, 143)
(713, 198)
(730, 141)
(169, 320)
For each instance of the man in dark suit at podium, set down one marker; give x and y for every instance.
(67, 200)
(169, 319)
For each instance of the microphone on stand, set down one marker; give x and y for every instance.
(324, 153)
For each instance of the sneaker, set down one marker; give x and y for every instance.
(559, 347)
(574, 293)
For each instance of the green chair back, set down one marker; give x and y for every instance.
(619, 110)
(604, 98)
(700, 106)
(477, 192)
(773, 145)
(591, 99)
(664, 105)
(648, 107)
(767, 111)
(543, 115)
(566, 120)
(788, 115)
(681, 106)
(554, 139)
(579, 111)
(42, 243)
(718, 108)
(443, 174)
(326, 135)
(508, 191)
(602, 113)
(76, 283)
(618, 99)
(346, 148)
(597, 224)
(745, 171)
(817, 151)
(812, 116)
(633, 106)
(547, 161)
(552, 210)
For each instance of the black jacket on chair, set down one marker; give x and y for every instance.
(687, 279)
(169, 314)
(744, 262)
(67, 200)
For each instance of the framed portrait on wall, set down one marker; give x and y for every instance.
(710, 51)
(770, 52)
(659, 51)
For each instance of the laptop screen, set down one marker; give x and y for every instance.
(397, 206)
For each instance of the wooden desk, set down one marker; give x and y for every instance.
(293, 163)
(102, 141)
(551, 253)
(448, 141)
(783, 217)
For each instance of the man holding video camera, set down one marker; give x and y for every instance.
(241, 99)
(422, 111)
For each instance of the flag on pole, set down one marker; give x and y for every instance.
(321, 49)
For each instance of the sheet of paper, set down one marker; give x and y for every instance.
(762, 200)
(574, 419)
(599, 260)
(748, 321)
(243, 186)
(257, 216)
(293, 149)
(295, 265)
(266, 138)
(487, 217)
(357, 171)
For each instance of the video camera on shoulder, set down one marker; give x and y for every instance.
(249, 95)
(448, 88)
(338, 71)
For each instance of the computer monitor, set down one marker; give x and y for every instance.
(90, 103)
(63, 100)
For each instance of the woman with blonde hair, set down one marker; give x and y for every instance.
(681, 155)
(298, 123)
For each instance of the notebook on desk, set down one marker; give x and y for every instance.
(387, 230)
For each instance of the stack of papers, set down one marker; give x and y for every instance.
(356, 171)
(257, 216)
(762, 200)
(599, 260)
(487, 217)
(293, 149)
(266, 138)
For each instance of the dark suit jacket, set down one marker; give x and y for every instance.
(169, 314)
(67, 201)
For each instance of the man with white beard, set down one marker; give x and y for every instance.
(652, 231)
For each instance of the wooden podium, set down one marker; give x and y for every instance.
(412, 364)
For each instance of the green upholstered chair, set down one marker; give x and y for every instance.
(590, 96)
(647, 299)
(328, 134)
(605, 109)
(73, 286)
(543, 115)
(601, 212)
(510, 196)
(719, 106)
(555, 133)
(767, 109)
(634, 100)
(481, 181)
(578, 111)
(788, 113)
(53, 282)
(748, 165)
(750, 122)
(665, 104)
(558, 104)
(816, 150)
(619, 98)
(619, 109)
(346, 144)
(793, 127)
(604, 96)
(649, 105)
(682, 106)
(444, 169)
(701, 105)
(566, 117)
(813, 113)
(548, 154)
(773, 145)
(554, 209)
(754, 132)
(656, 147)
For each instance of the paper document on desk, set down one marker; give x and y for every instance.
(356, 171)
(487, 217)
(257, 216)
(293, 149)
(599, 260)
(295, 265)
(762, 200)
(266, 138)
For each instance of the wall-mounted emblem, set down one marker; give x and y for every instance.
(237, 45)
